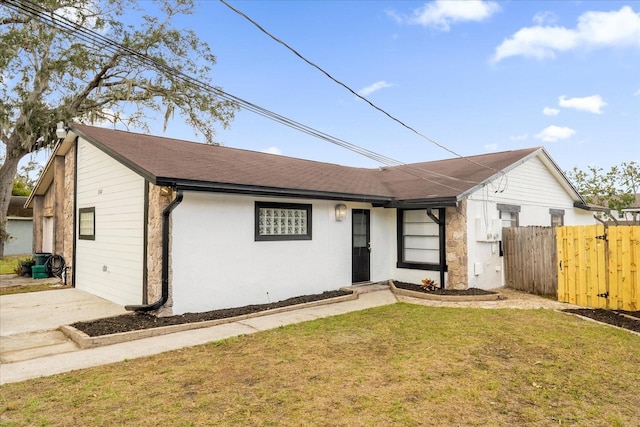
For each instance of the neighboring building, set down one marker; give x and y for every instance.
(626, 216)
(19, 227)
(145, 220)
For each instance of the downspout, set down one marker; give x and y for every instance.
(166, 213)
(442, 240)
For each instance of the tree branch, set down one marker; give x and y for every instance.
(13, 20)
(94, 83)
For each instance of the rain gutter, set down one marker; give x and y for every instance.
(166, 214)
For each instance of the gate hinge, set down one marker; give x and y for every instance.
(603, 237)
(604, 295)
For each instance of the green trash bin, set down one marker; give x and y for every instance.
(41, 257)
(39, 272)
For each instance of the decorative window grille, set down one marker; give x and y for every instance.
(279, 221)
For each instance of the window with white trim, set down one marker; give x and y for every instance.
(87, 223)
(282, 221)
(509, 214)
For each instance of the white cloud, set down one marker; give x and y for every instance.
(592, 104)
(594, 29)
(272, 150)
(546, 17)
(548, 111)
(637, 93)
(440, 14)
(554, 133)
(611, 28)
(374, 88)
(522, 137)
(106, 118)
(85, 15)
(490, 147)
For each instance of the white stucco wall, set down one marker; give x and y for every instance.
(530, 186)
(111, 266)
(216, 262)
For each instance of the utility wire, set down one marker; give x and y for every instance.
(317, 67)
(105, 44)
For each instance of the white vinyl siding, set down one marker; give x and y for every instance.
(532, 187)
(111, 265)
(534, 190)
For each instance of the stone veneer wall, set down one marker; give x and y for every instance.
(157, 203)
(68, 211)
(456, 236)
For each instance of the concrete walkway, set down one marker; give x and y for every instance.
(31, 346)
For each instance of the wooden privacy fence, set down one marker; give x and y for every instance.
(530, 259)
(598, 266)
(590, 266)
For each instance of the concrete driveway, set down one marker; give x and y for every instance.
(48, 310)
(29, 322)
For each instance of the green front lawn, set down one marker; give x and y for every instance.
(397, 365)
(9, 263)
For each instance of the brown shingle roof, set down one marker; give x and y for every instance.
(17, 209)
(165, 160)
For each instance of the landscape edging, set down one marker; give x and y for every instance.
(597, 321)
(444, 298)
(85, 341)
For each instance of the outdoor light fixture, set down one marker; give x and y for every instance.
(61, 131)
(341, 212)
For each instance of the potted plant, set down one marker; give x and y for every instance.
(24, 267)
(429, 284)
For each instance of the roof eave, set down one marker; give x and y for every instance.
(135, 167)
(46, 177)
(436, 202)
(230, 188)
(503, 171)
(589, 207)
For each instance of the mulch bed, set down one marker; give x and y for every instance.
(438, 291)
(623, 319)
(138, 321)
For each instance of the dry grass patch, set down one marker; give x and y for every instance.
(22, 289)
(398, 365)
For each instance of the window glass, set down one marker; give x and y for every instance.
(87, 224)
(557, 217)
(421, 238)
(280, 221)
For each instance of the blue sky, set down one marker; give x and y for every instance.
(473, 76)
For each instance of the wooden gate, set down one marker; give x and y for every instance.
(598, 267)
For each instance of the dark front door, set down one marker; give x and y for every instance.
(361, 238)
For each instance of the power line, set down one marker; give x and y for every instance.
(317, 67)
(107, 45)
(103, 43)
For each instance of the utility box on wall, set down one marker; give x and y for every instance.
(478, 268)
(488, 231)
